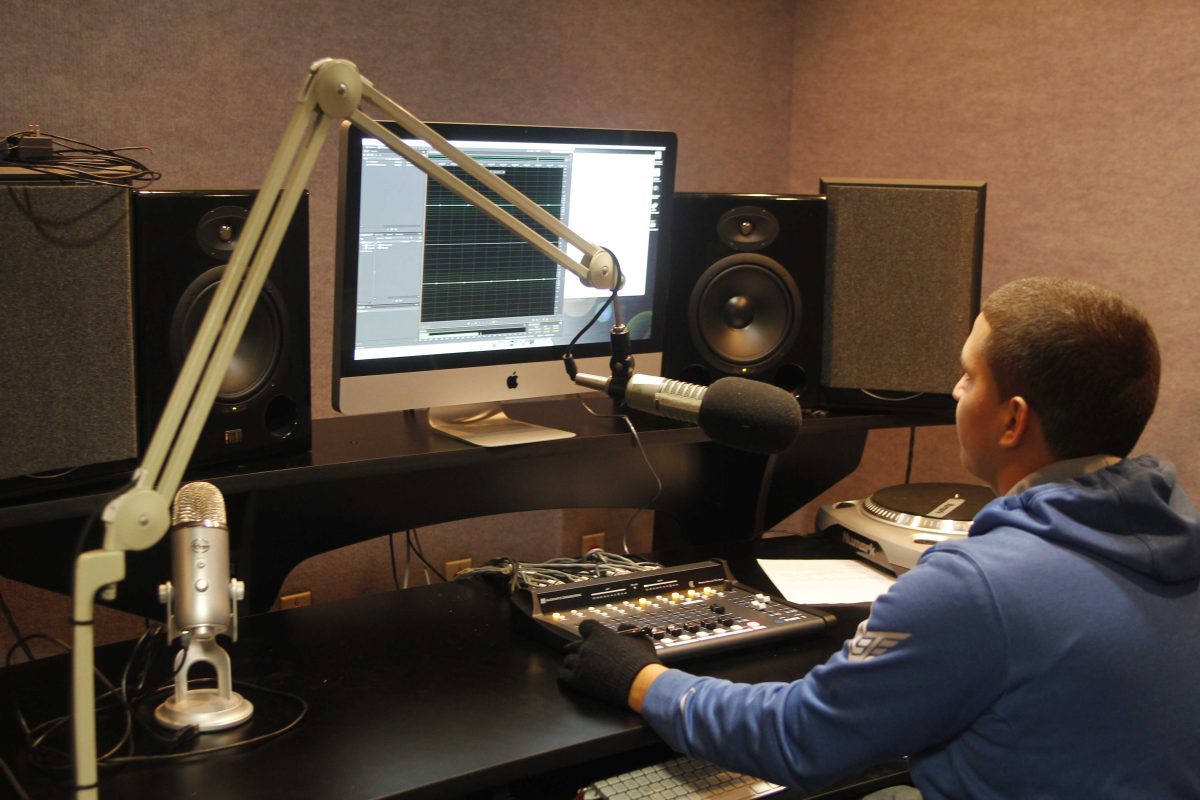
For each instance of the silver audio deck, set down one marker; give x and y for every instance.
(895, 525)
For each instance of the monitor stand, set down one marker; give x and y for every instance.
(486, 425)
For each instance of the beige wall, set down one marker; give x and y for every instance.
(1080, 115)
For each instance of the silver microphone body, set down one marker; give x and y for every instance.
(201, 603)
(662, 397)
(736, 412)
(200, 564)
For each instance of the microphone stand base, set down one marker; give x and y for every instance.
(206, 709)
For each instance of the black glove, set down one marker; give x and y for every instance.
(604, 663)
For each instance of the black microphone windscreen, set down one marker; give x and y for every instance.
(750, 415)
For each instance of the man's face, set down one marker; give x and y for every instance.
(981, 414)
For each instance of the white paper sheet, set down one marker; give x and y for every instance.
(826, 581)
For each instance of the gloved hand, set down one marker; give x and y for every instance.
(604, 663)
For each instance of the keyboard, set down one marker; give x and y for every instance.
(681, 778)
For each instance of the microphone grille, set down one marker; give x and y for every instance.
(199, 502)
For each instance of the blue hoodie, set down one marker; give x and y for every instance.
(1053, 653)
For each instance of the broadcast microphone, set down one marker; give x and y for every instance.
(201, 603)
(736, 412)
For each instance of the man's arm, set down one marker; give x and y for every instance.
(931, 658)
(641, 685)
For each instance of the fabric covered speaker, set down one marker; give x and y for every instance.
(183, 240)
(902, 289)
(66, 330)
(747, 290)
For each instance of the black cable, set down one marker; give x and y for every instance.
(595, 563)
(36, 736)
(44, 756)
(12, 781)
(645, 457)
(392, 552)
(421, 555)
(568, 357)
(86, 163)
(12, 626)
(912, 441)
(262, 737)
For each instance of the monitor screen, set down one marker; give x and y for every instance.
(438, 305)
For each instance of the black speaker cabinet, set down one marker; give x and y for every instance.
(183, 240)
(902, 287)
(747, 290)
(66, 330)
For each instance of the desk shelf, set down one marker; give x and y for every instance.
(368, 476)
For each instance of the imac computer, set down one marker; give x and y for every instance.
(437, 306)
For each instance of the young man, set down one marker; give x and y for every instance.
(1053, 653)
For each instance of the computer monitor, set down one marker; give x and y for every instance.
(437, 305)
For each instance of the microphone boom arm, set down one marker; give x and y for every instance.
(139, 517)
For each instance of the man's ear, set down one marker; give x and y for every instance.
(1017, 423)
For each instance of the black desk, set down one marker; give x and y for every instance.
(432, 692)
(371, 475)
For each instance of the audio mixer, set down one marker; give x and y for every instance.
(686, 611)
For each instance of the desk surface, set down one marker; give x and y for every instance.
(431, 692)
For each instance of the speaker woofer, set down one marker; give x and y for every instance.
(261, 345)
(744, 313)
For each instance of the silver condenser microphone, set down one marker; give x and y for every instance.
(201, 602)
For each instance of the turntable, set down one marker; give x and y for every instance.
(895, 525)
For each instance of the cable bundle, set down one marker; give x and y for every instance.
(596, 563)
(72, 160)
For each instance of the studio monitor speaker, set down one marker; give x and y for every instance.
(746, 290)
(66, 329)
(903, 282)
(183, 240)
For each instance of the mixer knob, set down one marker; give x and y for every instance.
(717, 609)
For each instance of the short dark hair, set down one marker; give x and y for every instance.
(1084, 358)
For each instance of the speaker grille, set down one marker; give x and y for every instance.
(66, 328)
(902, 284)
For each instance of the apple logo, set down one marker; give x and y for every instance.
(511, 381)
